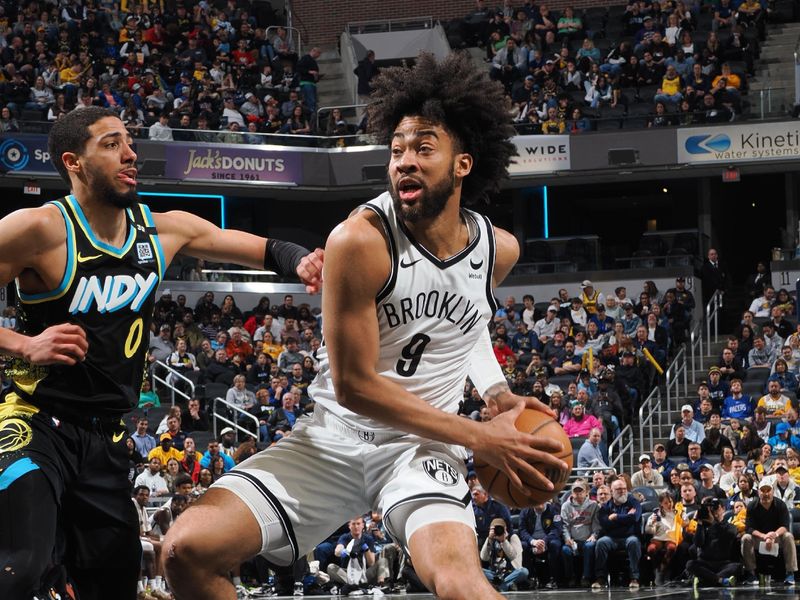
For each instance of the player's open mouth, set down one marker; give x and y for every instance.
(128, 176)
(409, 189)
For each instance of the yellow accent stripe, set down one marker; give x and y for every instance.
(14, 406)
(69, 269)
(101, 246)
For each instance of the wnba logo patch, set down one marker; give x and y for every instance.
(440, 471)
(15, 434)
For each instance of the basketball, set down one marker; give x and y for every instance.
(497, 484)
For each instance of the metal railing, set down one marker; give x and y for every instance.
(621, 447)
(168, 382)
(386, 25)
(771, 102)
(696, 348)
(650, 412)
(290, 33)
(238, 413)
(677, 372)
(712, 318)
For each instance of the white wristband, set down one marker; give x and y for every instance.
(484, 370)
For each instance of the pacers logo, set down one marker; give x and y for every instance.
(440, 471)
(15, 434)
(13, 156)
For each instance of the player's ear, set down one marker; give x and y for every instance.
(71, 162)
(463, 164)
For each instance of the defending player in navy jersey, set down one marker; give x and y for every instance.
(412, 271)
(87, 267)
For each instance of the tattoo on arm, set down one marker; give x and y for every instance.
(491, 394)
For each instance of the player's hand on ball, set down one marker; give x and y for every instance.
(514, 451)
(310, 271)
(63, 344)
(507, 400)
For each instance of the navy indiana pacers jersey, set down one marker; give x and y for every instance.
(110, 293)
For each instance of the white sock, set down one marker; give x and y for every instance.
(146, 582)
(158, 584)
(140, 585)
(237, 581)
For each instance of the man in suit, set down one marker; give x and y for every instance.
(713, 276)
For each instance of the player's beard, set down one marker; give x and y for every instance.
(104, 190)
(431, 202)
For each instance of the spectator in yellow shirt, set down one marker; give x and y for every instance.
(671, 89)
(775, 403)
(165, 451)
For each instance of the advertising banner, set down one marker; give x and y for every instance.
(196, 162)
(21, 153)
(739, 143)
(540, 154)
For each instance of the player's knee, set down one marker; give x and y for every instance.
(20, 576)
(452, 584)
(186, 550)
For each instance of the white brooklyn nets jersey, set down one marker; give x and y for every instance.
(430, 315)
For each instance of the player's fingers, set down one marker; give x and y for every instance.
(546, 444)
(70, 350)
(516, 410)
(61, 359)
(533, 403)
(317, 257)
(513, 477)
(76, 340)
(70, 329)
(533, 476)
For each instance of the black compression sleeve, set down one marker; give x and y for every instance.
(283, 257)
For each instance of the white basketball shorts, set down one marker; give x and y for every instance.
(325, 474)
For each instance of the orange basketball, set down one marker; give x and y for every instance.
(497, 484)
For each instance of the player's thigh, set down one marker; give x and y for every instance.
(292, 495)
(300, 490)
(218, 531)
(445, 557)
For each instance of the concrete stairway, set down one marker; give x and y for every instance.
(775, 72)
(332, 90)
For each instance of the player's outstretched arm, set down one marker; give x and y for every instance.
(32, 248)
(356, 267)
(184, 232)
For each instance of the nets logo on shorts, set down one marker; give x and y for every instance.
(440, 471)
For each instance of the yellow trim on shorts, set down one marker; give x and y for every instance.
(14, 406)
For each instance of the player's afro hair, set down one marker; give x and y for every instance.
(457, 95)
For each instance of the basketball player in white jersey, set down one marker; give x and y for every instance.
(412, 272)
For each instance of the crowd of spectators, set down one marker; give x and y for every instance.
(713, 505)
(198, 71)
(666, 63)
(225, 72)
